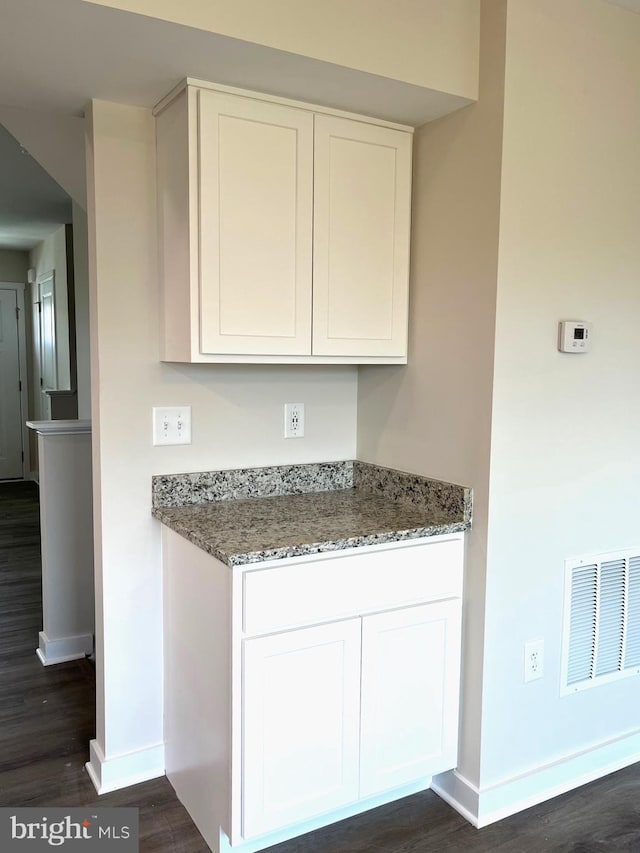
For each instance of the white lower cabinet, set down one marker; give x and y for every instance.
(301, 711)
(339, 712)
(301, 691)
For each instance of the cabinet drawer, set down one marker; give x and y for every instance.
(351, 584)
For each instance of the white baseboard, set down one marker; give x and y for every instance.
(34, 475)
(64, 648)
(486, 805)
(460, 793)
(111, 774)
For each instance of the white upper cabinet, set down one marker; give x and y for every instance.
(361, 238)
(284, 231)
(256, 199)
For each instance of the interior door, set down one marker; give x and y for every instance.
(47, 335)
(10, 398)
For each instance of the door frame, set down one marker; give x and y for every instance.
(43, 409)
(19, 288)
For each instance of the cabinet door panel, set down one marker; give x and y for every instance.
(361, 238)
(256, 173)
(301, 706)
(410, 684)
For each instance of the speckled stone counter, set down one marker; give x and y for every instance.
(256, 514)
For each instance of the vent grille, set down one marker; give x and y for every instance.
(602, 620)
(632, 651)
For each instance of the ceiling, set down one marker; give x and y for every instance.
(633, 5)
(57, 56)
(77, 51)
(32, 204)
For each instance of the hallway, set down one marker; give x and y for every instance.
(47, 714)
(47, 719)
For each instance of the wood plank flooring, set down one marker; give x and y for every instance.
(47, 719)
(47, 714)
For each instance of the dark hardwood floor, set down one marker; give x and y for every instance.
(47, 719)
(47, 714)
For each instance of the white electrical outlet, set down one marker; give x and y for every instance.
(294, 420)
(171, 425)
(533, 660)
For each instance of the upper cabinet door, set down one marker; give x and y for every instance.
(256, 204)
(362, 210)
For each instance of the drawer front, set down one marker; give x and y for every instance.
(350, 585)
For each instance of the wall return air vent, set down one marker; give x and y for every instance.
(601, 631)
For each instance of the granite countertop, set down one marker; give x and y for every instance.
(251, 515)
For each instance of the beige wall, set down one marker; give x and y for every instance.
(548, 228)
(81, 290)
(13, 265)
(434, 416)
(429, 43)
(565, 460)
(527, 228)
(237, 421)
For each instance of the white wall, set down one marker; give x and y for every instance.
(13, 265)
(81, 290)
(547, 441)
(51, 255)
(565, 460)
(429, 43)
(434, 415)
(237, 421)
(523, 228)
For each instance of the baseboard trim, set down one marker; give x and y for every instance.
(484, 806)
(111, 774)
(63, 649)
(459, 793)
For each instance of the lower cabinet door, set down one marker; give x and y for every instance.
(301, 708)
(410, 693)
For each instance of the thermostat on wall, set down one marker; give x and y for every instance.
(574, 336)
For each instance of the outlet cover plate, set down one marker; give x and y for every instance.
(533, 660)
(294, 420)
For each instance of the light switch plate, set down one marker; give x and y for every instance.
(171, 425)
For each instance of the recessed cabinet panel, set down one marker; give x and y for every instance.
(410, 682)
(255, 164)
(301, 707)
(361, 238)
